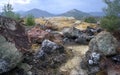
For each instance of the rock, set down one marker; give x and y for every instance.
(29, 73)
(93, 70)
(104, 42)
(81, 40)
(113, 72)
(68, 41)
(99, 30)
(37, 35)
(14, 32)
(94, 58)
(26, 67)
(49, 47)
(116, 58)
(91, 62)
(9, 55)
(71, 32)
(90, 31)
(88, 38)
(50, 55)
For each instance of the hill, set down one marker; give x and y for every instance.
(75, 13)
(37, 13)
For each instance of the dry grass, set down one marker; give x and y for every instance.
(63, 22)
(84, 25)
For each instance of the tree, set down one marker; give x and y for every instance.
(8, 12)
(30, 20)
(111, 22)
(113, 7)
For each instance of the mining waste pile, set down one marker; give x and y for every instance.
(57, 46)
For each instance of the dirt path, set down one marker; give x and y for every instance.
(73, 66)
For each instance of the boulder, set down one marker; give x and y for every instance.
(68, 41)
(37, 35)
(14, 32)
(50, 55)
(71, 32)
(104, 42)
(81, 40)
(9, 55)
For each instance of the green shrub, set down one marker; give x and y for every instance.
(30, 21)
(7, 11)
(90, 20)
(110, 23)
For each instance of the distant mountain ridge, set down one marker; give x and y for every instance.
(71, 13)
(75, 13)
(37, 13)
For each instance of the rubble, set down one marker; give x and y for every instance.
(77, 36)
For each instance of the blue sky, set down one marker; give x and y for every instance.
(56, 6)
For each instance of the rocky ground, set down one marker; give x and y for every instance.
(51, 50)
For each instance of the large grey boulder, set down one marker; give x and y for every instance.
(9, 55)
(104, 42)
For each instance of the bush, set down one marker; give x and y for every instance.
(90, 20)
(110, 23)
(7, 11)
(30, 21)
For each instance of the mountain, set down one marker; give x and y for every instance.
(75, 13)
(37, 13)
(97, 14)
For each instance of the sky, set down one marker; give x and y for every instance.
(56, 6)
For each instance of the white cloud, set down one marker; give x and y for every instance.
(13, 2)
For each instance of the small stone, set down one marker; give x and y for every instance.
(116, 58)
(96, 56)
(29, 73)
(90, 62)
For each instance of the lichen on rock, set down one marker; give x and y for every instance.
(8, 55)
